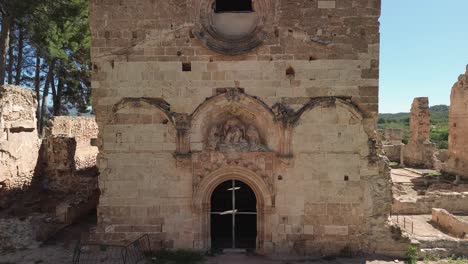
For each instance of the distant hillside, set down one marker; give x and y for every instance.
(439, 108)
(439, 121)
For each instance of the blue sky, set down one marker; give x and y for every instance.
(424, 48)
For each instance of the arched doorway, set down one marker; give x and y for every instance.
(233, 216)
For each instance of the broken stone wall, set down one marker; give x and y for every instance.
(70, 165)
(392, 152)
(458, 128)
(393, 136)
(452, 201)
(19, 141)
(69, 157)
(450, 223)
(419, 152)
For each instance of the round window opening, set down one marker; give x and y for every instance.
(231, 27)
(234, 19)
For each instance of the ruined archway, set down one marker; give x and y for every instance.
(202, 201)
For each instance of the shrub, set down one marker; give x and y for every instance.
(412, 255)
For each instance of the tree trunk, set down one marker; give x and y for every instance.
(45, 93)
(19, 62)
(11, 59)
(54, 94)
(58, 97)
(37, 84)
(4, 41)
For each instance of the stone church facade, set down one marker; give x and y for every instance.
(279, 96)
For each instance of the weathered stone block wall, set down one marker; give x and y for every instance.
(453, 201)
(393, 136)
(419, 152)
(309, 90)
(69, 158)
(458, 127)
(450, 223)
(19, 141)
(393, 152)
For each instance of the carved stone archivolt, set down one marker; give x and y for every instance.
(259, 163)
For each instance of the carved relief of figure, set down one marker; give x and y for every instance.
(252, 136)
(234, 135)
(213, 138)
(232, 123)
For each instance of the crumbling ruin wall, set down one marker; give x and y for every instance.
(450, 223)
(392, 145)
(70, 165)
(69, 157)
(458, 128)
(393, 152)
(393, 136)
(419, 152)
(450, 200)
(19, 141)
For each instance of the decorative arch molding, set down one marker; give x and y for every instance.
(202, 200)
(157, 104)
(231, 95)
(207, 185)
(289, 119)
(339, 102)
(234, 104)
(154, 111)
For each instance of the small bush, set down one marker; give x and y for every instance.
(442, 145)
(431, 257)
(435, 174)
(412, 255)
(457, 260)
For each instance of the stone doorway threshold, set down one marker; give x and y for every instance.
(246, 259)
(234, 251)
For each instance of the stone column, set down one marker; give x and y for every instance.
(420, 151)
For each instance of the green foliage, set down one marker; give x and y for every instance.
(55, 30)
(412, 255)
(439, 108)
(457, 260)
(435, 174)
(431, 257)
(177, 257)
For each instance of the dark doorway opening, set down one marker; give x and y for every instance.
(233, 216)
(233, 6)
